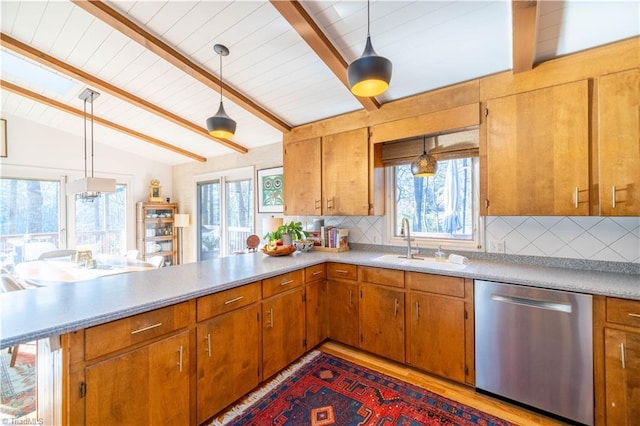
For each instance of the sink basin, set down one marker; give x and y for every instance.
(427, 262)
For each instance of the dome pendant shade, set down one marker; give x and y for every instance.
(424, 166)
(221, 125)
(369, 75)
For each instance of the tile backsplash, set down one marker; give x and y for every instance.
(613, 239)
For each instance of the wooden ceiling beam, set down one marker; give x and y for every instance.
(524, 21)
(135, 32)
(305, 26)
(51, 62)
(5, 85)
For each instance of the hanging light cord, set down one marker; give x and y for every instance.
(221, 83)
(85, 138)
(91, 134)
(424, 145)
(368, 20)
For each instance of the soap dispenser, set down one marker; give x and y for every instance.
(440, 256)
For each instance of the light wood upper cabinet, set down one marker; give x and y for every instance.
(619, 143)
(538, 152)
(302, 165)
(332, 175)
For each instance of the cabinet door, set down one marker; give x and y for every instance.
(342, 311)
(345, 173)
(302, 177)
(538, 152)
(147, 386)
(619, 143)
(228, 359)
(315, 308)
(437, 335)
(622, 371)
(283, 330)
(382, 321)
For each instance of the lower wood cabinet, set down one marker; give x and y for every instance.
(283, 330)
(315, 305)
(228, 359)
(342, 303)
(440, 326)
(382, 321)
(622, 372)
(146, 386)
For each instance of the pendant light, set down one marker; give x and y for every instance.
(369, 75)
(221, 125)
(90, 187)
(424, 165)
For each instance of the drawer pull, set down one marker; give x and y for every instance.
(317, 273)
(180, 349)
(342, 271)
(235, 299)
(622, 358)
(286, 282)
(634, 315)
(140, 330)
(208, 348)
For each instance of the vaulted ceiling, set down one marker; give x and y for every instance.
(159, 78)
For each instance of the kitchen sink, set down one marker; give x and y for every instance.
(427, 262)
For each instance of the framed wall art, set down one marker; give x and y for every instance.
(270, 190)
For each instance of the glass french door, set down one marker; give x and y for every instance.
(225, 216)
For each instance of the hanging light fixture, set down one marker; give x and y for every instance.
(424, 165)
(221, 125)
(369, 75)
(90, 187)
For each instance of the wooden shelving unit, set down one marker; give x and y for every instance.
(156, 233)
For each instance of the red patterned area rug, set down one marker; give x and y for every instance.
(325, 390)
(18, 383)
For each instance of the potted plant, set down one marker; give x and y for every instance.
(288, 233)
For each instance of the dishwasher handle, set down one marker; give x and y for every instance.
(551, 306)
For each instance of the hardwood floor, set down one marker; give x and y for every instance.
(456, 392)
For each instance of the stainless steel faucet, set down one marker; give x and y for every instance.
(407, 234)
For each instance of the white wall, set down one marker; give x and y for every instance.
(37, 151)
(185, 188)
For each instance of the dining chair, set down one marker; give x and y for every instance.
(156, 261)
(131, 254)
(7, 284)
(53, 254)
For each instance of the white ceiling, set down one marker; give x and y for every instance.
(430, 43)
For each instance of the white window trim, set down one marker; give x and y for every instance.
(475, 244)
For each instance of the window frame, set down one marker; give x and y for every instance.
(418, 242)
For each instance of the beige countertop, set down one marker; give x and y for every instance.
(39, 313)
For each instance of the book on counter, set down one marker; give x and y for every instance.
(334, 237)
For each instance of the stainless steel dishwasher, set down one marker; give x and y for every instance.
(535, 346)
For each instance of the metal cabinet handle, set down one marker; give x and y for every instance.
(613, 196)
(286, 282)
(318, 204)
(208, 348)
(417, 310)
(316, 273)
(622, 358)
(330, 202)
(576, 197)
(634, 315)
(350, 297)
(140, 330)
(270, 323)
(180, 350)
(342, 271)
(395, 308)
(235, 299)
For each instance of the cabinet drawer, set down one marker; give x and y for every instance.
(281, 283)
(315, 273)
(390, 277)
(439, 284)
(228, 300)
(623, 311)
(116, 335)
(342, 270)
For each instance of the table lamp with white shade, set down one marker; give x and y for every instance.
(181, 221)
